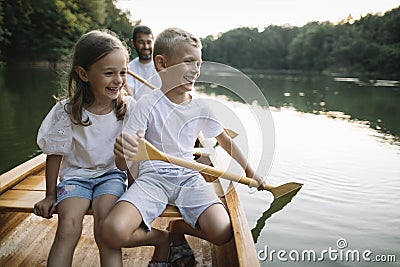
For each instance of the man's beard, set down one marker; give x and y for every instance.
(144, 56)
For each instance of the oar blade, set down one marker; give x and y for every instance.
(232, 134)
(284, 189)
(146, 151)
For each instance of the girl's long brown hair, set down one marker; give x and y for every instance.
(90, 48)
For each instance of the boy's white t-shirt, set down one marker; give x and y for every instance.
(172, 128)
(87, 150)
(147, 72)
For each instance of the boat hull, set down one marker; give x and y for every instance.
(26, 239)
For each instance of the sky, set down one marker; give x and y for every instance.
(210, 17)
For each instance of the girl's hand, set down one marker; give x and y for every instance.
(45, 208)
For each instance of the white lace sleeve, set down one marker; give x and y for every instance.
(55, 132)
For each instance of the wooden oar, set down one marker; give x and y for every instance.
(142, 80)
(147, 151)
(230, 132)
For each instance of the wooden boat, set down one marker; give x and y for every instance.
(26, 239)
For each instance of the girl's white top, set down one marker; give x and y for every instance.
(87, 150)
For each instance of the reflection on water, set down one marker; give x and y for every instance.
(350, 170)
(25, 98)
(276, 205)
(375, 104)
(341, 140)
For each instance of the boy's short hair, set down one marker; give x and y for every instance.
(140, 29)
(167, 42)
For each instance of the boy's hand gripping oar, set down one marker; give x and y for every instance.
(147, 151)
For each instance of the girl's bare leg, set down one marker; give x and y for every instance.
(70, 216)
(101, 207)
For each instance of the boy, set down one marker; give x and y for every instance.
(172, 119)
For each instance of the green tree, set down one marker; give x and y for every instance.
(235, 47)
(310, 49)
(45, 30)
(272, 47)
(118, 21)
(3, 30)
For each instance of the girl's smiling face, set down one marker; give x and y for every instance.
(107, 76)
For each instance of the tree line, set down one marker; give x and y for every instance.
(45, 30)
(369, 45)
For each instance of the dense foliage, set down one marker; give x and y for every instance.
(45, 30)
(369, 45)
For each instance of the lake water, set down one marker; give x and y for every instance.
(339, 136)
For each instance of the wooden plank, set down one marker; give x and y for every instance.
(38, 183)
(29, 244)
(8, 223)
(20, 200)
(225, 255)
(245, 248)
(32, 182)
(23, 201)
(25, 194)
(17, 174)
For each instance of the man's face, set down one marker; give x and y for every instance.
(144, 46)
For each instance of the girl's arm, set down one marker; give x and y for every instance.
(45, 207)
(232, 149)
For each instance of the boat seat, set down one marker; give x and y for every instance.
(20, 195)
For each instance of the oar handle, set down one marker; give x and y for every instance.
(212, 171)
(141, 79)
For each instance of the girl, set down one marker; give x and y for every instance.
(78, 137)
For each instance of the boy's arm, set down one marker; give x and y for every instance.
(125, 147)
(45, 207)
(120, 161)
(232, 149)
(133, 172)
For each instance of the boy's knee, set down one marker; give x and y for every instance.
(113, 233)
(223, 236)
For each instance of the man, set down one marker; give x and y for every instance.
(142, 41)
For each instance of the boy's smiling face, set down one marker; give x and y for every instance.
(182, 67)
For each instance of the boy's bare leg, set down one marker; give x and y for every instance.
(122, 228)
(214, 226)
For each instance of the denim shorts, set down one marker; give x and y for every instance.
(111, 183)
(184, 188)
